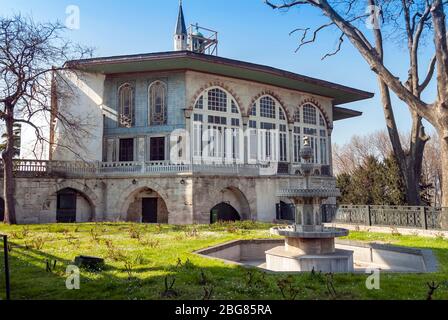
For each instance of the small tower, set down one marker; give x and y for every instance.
(180, 34)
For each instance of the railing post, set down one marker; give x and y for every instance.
(369, 215)
(424, 218)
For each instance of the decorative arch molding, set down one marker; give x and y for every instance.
(263, 93)
(82, 188)
(211, 85)
(216, 195)
(126, 198)
(85, 191)
(315, 103)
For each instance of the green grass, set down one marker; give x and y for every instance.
(136, 268)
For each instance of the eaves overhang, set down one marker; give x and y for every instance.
(187, 60)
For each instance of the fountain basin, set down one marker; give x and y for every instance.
(384, 257)
(308, 248)
(291, 232)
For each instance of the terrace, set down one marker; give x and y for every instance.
(75, 169)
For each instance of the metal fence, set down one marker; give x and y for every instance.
(4, 269)
(428, 218)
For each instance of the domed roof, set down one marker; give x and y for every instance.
(197, 33)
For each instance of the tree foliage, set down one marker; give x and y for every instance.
(375, 182)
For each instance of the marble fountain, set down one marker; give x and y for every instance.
(309, 245)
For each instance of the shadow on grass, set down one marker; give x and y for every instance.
(146, 280)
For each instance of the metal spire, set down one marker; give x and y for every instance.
(180, 26)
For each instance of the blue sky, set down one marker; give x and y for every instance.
(248, 30)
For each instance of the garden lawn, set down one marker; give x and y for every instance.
(139, 257)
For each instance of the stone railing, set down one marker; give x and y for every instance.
(34, 168)
(428, 218)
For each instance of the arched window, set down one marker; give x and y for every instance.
(268, 131)
(313, 125)
(157, 103)
(126, 105)
(217, 127)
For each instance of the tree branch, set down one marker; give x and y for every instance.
(429, 75)
(341, 41)
(290, 5)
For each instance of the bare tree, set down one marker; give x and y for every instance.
(349, 157)
(32, 57)
(419, 15)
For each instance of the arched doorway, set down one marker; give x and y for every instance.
(72, 206)
(2, 210)
(147, 206)
(231, 199)
(224, 212)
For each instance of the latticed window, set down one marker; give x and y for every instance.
(200, 103)
(309, 114)
(218, 136)
(314, 127)
(268, 119)
(297, 116)
(253, 111)
(157, 103)
(267, 107)
(321, 121)
(234, 108)
(282, 115)
(217, 100)
(126, 101)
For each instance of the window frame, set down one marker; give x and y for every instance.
(280, 119)
(130, 117)
(318, 139)
(152, 104)
(201, 110)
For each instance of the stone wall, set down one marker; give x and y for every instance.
(182, 199)
(85, 108)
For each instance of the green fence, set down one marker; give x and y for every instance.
(419, 217)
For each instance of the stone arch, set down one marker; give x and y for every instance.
(145, 204)
(273, 95)
(218, 84)
(82, 208)
(224, 212)
(315, 103)
(234, 197)
(84, 191)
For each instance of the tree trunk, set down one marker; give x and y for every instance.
(444, 182)
(410, 164)
(415, 160)
(8, 166)
(412, 184)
